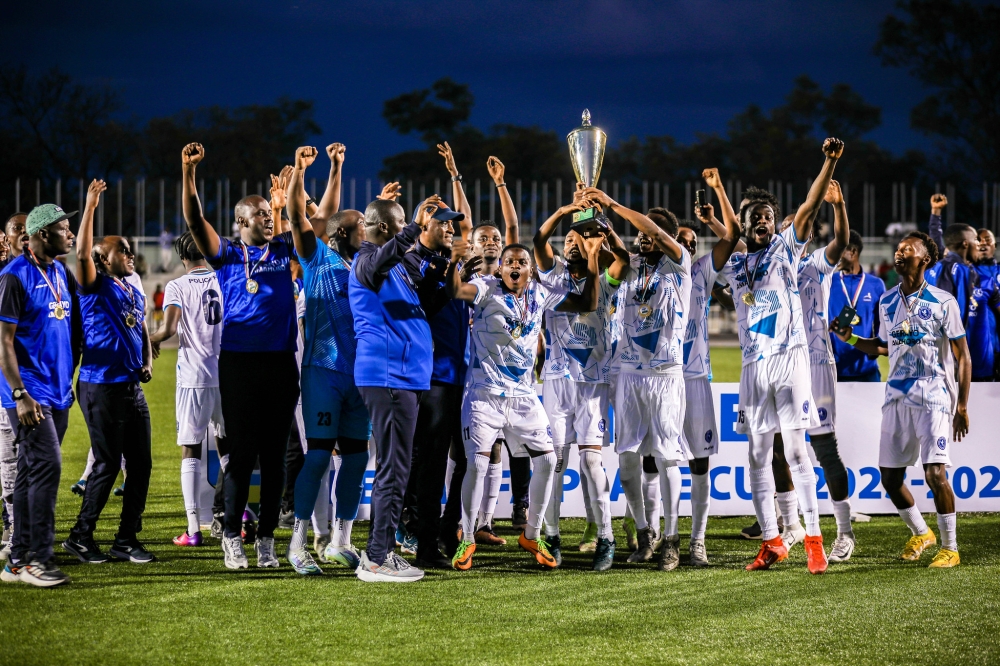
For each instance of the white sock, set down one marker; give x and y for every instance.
(762, 490)
(788, 506)
(491, 493)
(335, 461)
(555, 500)
(701, 493)
(595, 480)
(630, 475)
(651, 499)
(299, 534)
(90, 465)
(947, 526)
(341, 532)
(804, 478)
(842, 513)
(449, 472)
(913, 520)
(539, 490)
(472, 493)
(321, 509)
(670, 491)
(190, 482)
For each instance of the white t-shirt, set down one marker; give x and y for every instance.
(773, 323)
(578, 345)
(653, 304)
(815, 272)
(921, 366)
(505, 335)
(199, 330)
(697, 362)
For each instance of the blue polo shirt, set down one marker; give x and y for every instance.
(851, 362)
(264, 321)
(989, 282)
(112, 350)
(43, 344)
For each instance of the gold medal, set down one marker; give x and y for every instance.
(59, 312)
(749, 299)
(130, 320)
(856, 320)
(905, 326)
(516, 333)
(252, 286)
(645, 311)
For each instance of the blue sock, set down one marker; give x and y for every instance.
(350, 484)
(307, 484)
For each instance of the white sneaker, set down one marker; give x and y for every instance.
(793, 535)
(235, 558)
(266, 557)
(842, 548)
(344, 555)
(696, 553)
(394, 570)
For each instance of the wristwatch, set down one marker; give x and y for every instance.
(18, 393)
(456, 178)
(310, 201)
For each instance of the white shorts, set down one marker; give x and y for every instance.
(700, 438)
(521, 421)
(197, 409)
(577, 411)
(776, 393)
(650, 418)
(911, 431)
(824, 390)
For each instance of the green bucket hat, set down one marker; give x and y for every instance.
(44, 215)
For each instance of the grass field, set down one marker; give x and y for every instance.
(186, 608)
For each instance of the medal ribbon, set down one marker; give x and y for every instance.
(911, 303)
(522, 311)
(127, 289)
(56, 294)
(751, 278)
(246, 259)
(646, 278)
(857, 292)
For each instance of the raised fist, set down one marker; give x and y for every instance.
(938, 202)
(496, 169)
(712, 178)
(192, 154)
(335, 151)
(305, 156)
(833, 194)
(833, 148)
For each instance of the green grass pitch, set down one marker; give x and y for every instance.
(186, 608)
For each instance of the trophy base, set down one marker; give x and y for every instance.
(589, 222)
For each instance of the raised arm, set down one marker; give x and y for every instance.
(661, 238)
(85, 267)
(619, 268)
(544, 257)
(841, 228)
(935, 227)
(456, 288)
(963, 376)
(833, 149)
(303, 235)
(205, 237)
(329, 205)
(512, 230)
(279, 198)
(706, 215)
(457, 191)
(728, 242)
(586, 300)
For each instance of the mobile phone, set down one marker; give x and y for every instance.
(699, 198)
(845, 318)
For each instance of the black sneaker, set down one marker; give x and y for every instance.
(131, 550)
(216, 532)
(753, 532)
(85, 549)
(120, 490)
(41, 574)
(432, 560)
(286, 520)
(555, 548)
(519, 518)
(604, 554)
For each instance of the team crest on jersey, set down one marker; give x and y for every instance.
(708, 436)
(601, 425)
(805, 407)
(941, 443)
(822, 413)
(924, 312)
(548, 430)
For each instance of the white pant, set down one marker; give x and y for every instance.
(650, 415)
(824, 391)
(519, 420)
(701, 436)
(197, 409)
(776, 394)
(911, 431)
(577, 411)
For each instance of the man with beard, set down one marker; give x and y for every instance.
(850, 285)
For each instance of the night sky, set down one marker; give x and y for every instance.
(642, 68)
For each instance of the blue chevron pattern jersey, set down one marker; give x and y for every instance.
(815, 278)
(919, 329)
(505, 332)
(772, 322)
(697, 362)
(328, 318)
(578, 345)
(653, 304)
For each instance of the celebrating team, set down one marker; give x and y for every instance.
(424, 338)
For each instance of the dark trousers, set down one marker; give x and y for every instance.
(259, 392)
(393, 414)
(439, 422)
(520, 477)
(294, 460)
(39, 466)
(117, 418)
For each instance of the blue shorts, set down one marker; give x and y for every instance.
(332, 406)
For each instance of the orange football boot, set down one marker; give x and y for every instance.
(539, 549)
(816, 555)
(771, 551)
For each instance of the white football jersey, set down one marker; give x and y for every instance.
(697, 362)
(505, 332)
(815, 273)
(199, 330)
(920, 329)
(578, 345)
(653, 304)
(772, 322)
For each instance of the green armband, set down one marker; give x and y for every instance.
(853, 340)
(613, 282)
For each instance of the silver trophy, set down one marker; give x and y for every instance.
(586, 152)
